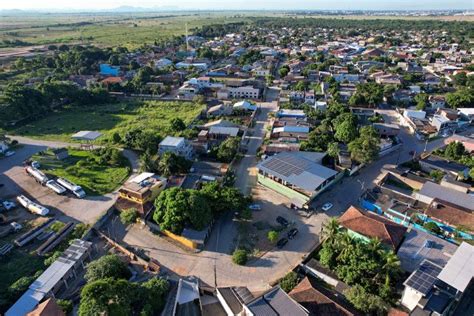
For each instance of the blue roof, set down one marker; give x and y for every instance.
(301, 169)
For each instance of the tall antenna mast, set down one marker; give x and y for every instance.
(187, 39)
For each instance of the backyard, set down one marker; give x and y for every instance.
(110, 119)
(94, 172)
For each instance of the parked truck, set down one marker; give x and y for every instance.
(37, 175)
(31, 206)
(56, 187)
(74, 188)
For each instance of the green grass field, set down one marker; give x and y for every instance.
(109, 119)
(94, 178)
(124, 29)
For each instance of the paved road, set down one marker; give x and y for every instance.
(342, 195)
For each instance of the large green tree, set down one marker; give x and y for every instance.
(109, 266)
(365, 148)
(177, 207)
(228, 149)
(346, 127)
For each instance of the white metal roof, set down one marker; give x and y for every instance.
(459, 271)
(87, 135)
(172, 141)
(142, 176)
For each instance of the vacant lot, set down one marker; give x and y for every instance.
(82, 168)
(109, 119)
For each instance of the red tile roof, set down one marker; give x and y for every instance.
(372, 225)
(47, 308)
(319, 303)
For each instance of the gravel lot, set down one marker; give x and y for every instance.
(64, 207)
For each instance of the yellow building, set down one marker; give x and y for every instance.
(140, 192)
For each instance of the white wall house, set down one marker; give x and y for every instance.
(176, 145)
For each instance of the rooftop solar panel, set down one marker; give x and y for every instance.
(422, 280)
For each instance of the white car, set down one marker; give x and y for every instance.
(16, 227)
(9, 153)
(326, 207)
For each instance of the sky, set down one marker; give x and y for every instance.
(242, 4)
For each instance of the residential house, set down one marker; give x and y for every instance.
(140, 192)
(467, 113)
(176, 145)
(47, 308)
(431, 191)
(233, 299)
(433, 162)
(437, 101)
(418, 246)
(219, 110)
(244, 92)
(449, 215)
(385, 129)
(244, 106)
(365, 225)
(221, 133)
(436, 290)
(298, 175)
(298, 114)
(442, 123)
(319, 300)
(274, 302)
(468, 142)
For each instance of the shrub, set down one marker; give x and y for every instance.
(272, 236)
(432, 227)
(240, 257)
(289, 281)
(109, 266)
(65, 305)
(129, 216)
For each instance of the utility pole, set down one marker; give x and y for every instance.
(187, 39)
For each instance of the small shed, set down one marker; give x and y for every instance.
(61, 153)
(86, 138)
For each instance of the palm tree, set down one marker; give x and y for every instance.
(345, 243)
(375, 247)
(330, 230)
(390, 267)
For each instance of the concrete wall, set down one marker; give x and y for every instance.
(280, 188)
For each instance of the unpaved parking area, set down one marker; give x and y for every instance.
(64, 207)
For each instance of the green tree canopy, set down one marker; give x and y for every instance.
(177, 207)
(228, 149)
(346, 127)
(109, 266)
(365, 148)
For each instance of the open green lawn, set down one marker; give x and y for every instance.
(81, 168)
(109, 119)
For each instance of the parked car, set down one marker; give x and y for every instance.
(282, 242)
(292, 233)
(35, 164)
(255, 207)
(9, 153)
(8, 205)
(282, 221)
(327, 206)
(16, 227)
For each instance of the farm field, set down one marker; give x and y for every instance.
(110, 119)
(107, 29)
(85, 169)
